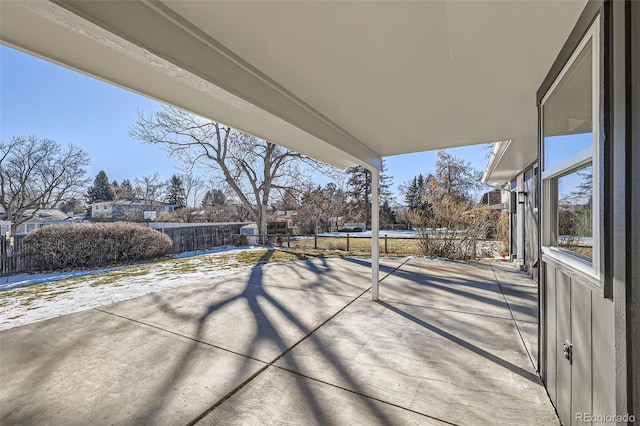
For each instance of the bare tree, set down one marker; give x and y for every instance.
(149, 189)
(38, 173)
(455, 177)
(444, 211)
(193, 186)
(252, 167)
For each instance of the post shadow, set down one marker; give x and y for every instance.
(467, 345)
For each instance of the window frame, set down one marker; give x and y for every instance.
(590, 155)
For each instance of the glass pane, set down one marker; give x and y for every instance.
(567, 113)
(574, 215)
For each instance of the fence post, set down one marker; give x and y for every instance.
(288, 240)
(315, 241)
(347, 242)
(385, 244)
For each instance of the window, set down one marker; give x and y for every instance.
(573, 216)
(570, 129)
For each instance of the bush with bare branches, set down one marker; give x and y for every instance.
(451, 229)
(503, 231)
(83, 245)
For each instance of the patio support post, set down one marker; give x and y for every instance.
(375, 237)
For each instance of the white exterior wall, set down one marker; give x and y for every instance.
(102, 210)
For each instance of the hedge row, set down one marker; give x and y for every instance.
(90, 245)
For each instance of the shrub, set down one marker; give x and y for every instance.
(240, 240)
(89, 245)
(503, 231)
(451, 229)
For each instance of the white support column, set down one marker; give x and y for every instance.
(375, 234)
(520, 221)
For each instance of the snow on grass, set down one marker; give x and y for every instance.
(16, 281)
(29, 298)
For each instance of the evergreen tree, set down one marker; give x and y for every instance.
(207, 200)
(115, 187)
(100, 190)
(125, 190)
(72, 205)
(416, 193)
(287, 201)
(214, 197)
(411, 195)
(359, 182)
(359, 192)
(175, 193)
(384, 185)
(387, 216)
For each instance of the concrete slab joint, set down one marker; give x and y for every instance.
(298, 343)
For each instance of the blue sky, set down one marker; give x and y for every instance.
(49, 101)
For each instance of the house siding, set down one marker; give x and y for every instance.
(578, 314)
(600, 318)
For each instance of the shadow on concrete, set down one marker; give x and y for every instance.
(262, 305)
(451, 285)
(253, 295)
(469, 346)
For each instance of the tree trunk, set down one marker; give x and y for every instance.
(262, 226)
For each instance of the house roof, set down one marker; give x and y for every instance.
(46, 215)
(130, 202)
(344, 82)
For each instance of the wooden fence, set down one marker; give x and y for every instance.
(13, 258)
(196, 238)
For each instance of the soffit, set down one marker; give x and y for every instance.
(402, 76)
(344, 82)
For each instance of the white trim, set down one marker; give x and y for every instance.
(566, 166)
(375, 235)
(581, 158)
(497, 153)
(595, 214)
(569, 259)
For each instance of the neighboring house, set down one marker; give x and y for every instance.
(522, 189)
(497, 199)
(5, 226)
(126, 207)
(354, 226)
(336, 223)
(287, 216)
(251, 231)
(42, 217)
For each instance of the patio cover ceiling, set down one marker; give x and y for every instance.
(344, 82)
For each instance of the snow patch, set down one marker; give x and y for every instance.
(37, 297)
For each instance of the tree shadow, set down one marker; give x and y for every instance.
(256, 297)
(261, 304)
(459, 285)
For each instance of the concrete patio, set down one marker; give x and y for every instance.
(300, 343)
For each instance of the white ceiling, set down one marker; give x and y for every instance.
(343, 81)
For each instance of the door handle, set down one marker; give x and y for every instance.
(567, 351)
